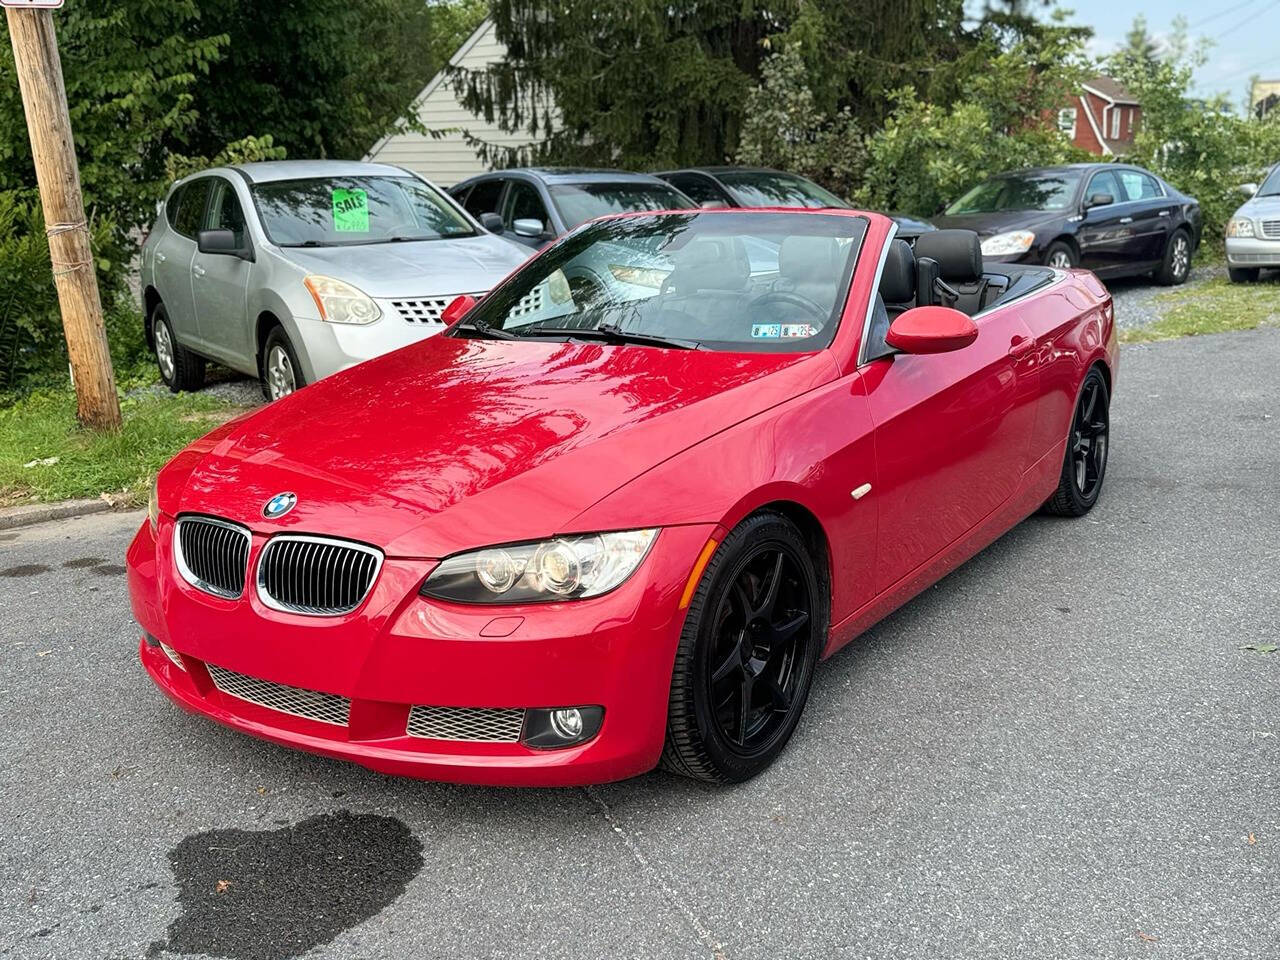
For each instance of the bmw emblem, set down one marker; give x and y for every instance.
(279, 505)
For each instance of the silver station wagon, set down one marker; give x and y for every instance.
(292, 270)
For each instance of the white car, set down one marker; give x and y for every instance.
(293, 270)
(1253, 232)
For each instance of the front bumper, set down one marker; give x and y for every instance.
(1253, 252)
(399, 650)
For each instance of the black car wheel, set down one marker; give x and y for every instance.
(1059, 255)
(1177, 259)
(180, 369)
(751, 640)
(1085, 463)
(1243, 274)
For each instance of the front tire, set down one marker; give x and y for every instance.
(1177, 260)
(180, 369)
(1085, 464)
(746, 658)
(1060, 255)
(1243, 274)
(281, 372)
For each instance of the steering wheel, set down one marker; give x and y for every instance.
(793, 299)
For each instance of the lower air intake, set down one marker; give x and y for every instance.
(308, 704)
(473, 724)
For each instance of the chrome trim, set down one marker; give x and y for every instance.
(875, 290)
(181, 562)
(265, 596)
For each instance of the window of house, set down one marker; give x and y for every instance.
(1115, 123)
(1067, 121)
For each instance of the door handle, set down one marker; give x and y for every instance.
(161, 257)
(198, 270)
(1164, 213)
(1020, 346)
(1126, 219)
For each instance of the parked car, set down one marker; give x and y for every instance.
(290, 271)
(1112, 218)
(534, 205)
(1253, 232)
(763, 187)
(579, 535)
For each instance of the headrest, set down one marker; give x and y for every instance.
(712, 264)
(958, 252)
(810, 259)
(898, 282)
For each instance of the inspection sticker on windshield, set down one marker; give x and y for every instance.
(766, 330)
(793, 330)
(350, 211)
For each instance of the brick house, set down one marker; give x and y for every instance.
(1102, 118)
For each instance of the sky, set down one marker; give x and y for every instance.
(1246, 35)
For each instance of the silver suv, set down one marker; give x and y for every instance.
(293, 270)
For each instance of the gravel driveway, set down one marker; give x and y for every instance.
(1135, 297)
(1064, 750)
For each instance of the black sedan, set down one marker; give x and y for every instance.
(1112, 218)
(762, 187)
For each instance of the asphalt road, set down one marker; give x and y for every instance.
(1064, 750)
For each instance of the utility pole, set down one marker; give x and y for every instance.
(44, 97)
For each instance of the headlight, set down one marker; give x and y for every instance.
(1003, 244)
(340, 302)
(1239, 227)
(153, 504)
(565, 568)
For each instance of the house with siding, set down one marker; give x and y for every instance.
(449, 158)
(1102, 118)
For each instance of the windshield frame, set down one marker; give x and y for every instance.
(443, 197)
(1072, 202)
(476, 322)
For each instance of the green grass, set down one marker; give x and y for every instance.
(42, 425)
(1216, 306)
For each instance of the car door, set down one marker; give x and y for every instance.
(1151, 212)
(221, 284)
(952, 439)
(173, 255)
(522, 202)
(1106, 232)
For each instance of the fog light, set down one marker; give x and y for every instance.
(567, 723)
(561, 726)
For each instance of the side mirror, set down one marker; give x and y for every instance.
(528, 227)
(221, 242)
(457, 309)
(491, 222)
(931, 330)
(1099, 200)
(1248, 189)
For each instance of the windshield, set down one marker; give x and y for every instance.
(766, 282)
(1026, 191)
(335, 211)
(580, 202)
(765, 188)
(1270, 186)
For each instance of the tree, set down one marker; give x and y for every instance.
(1140, 47)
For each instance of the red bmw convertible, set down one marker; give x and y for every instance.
(617, 513)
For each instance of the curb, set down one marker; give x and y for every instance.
(28, 514)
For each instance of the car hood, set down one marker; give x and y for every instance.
(415, 268)
(989, 224)
(451, 444)
(1261, 207)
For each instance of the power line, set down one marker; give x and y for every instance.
(1249, 19)
(1221, 13)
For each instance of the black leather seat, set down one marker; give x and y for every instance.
(958, 255)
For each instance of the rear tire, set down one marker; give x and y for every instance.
(1084, 466)
(1243, 274)
(1177, 260)
(281, 372)
(747, 653)
(180, 369)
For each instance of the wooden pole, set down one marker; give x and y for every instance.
(44, 97)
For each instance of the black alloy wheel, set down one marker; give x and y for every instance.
(752, 638)
(1085, 464)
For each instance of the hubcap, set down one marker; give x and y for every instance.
(1060, 259)
(763, 625)
(164, 351)
(1181, 256)
(1089, 441)
(280, 378)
